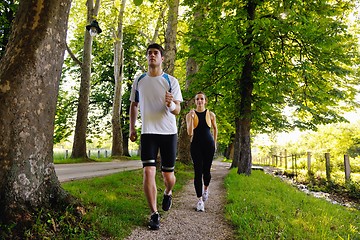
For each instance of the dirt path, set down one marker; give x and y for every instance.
(183, 222)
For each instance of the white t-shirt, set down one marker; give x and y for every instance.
(155, 116)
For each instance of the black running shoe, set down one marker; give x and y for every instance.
(166, 203)
(154, 223)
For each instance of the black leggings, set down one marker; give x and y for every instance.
(202, 157)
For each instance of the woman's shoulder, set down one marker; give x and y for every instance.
(211, 113)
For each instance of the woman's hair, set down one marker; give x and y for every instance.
(202, 94)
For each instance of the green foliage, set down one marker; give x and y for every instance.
(268, 208)
(337, 139)
(138, 2)
(8, 9)
(102, 79)
(305, 58)
(64, 117)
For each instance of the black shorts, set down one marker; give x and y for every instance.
(150, 145)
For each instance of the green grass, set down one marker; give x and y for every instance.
(259, 206)
(263, 207)
(116, 203)
(59, 158)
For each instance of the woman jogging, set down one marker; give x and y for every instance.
(202, 149)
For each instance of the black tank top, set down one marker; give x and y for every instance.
(202, 132)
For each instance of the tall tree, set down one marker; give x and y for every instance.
(191, 69)
(28, 100)
(79, 144)
(170, 36)
(265, 57)
(245, 85)
(117, 139)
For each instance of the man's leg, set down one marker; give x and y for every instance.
(169, 180)
(149, 185)
(168, 158)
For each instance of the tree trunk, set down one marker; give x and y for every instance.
(184, 155)
(126, 145)
(184, 139)
(237, 145)
(29, 81)
(117, 139)
(79, 144)
(246, 84)
(170, 36)
(191, 69)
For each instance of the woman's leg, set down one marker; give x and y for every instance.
(198, 169)
(207, 162)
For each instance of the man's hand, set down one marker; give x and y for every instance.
(133, 135)
(168, 98)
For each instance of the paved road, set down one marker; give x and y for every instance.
(70, 172)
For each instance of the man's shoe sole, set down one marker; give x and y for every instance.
(153, 228)
(166, 208)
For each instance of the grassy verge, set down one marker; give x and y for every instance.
(62, 160)
(116, 203)
(263, 207)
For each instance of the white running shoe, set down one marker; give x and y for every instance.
(200, 206)
(205, 195)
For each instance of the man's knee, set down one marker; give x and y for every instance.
(149, 171)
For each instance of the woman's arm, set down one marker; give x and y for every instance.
(214, 126)
(190, 122)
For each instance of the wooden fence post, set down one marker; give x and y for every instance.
(328, 169)
(295, 165)
(347, 168)
(66, 153)
(89, 153)
(98, 153)
(105, 153)
(309, 162)
(285, 159)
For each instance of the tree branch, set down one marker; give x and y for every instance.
(73, 56)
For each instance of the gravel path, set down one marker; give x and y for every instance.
(183, 222)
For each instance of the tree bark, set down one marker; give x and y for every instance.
(236, 143)
(191, 69)
(79, 144)
(170, 36)
(184, 155)
(117, 139)
(246, 85)
(29, 81)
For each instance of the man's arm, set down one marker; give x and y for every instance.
(133, 117)
(173, 105)
(177, 109)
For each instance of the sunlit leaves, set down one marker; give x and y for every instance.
(138, 2)
(304, 58)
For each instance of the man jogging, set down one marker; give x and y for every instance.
(158, 95)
